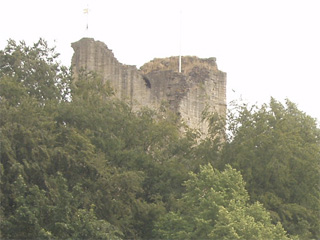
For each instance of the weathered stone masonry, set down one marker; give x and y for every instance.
(200, 85)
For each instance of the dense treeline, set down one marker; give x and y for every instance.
(76, 163)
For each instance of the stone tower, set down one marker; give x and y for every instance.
(200, 86)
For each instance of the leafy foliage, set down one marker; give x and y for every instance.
(76, 151)
(215, 206)
(36, 69)
(277, 149)
(77, 163)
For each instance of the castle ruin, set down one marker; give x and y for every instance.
(200, 86)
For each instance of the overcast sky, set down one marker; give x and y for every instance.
(266, 47)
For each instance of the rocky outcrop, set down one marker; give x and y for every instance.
(199, 86)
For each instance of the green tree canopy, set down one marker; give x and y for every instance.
(76, 162)
(277, 149)
(85, 160)
(35, 68)
(43, 161)
(215, 206)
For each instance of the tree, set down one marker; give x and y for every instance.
(277, 149)
(140, 163)
(215, 206)
(52, 215)
(26, 221)
(36, 68)
(43, 161)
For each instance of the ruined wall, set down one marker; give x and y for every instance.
(126, 80)
(200, 85)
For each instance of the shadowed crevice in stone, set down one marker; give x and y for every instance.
(147, 81)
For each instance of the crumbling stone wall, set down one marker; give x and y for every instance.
(126, 80)
(200, 85)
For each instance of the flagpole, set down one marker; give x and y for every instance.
(180, 39)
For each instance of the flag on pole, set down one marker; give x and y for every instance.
(86, 11)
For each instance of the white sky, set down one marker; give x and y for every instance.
(267, 47)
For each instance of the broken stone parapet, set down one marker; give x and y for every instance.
(200, 86)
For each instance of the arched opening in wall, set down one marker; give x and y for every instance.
(147, 82)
